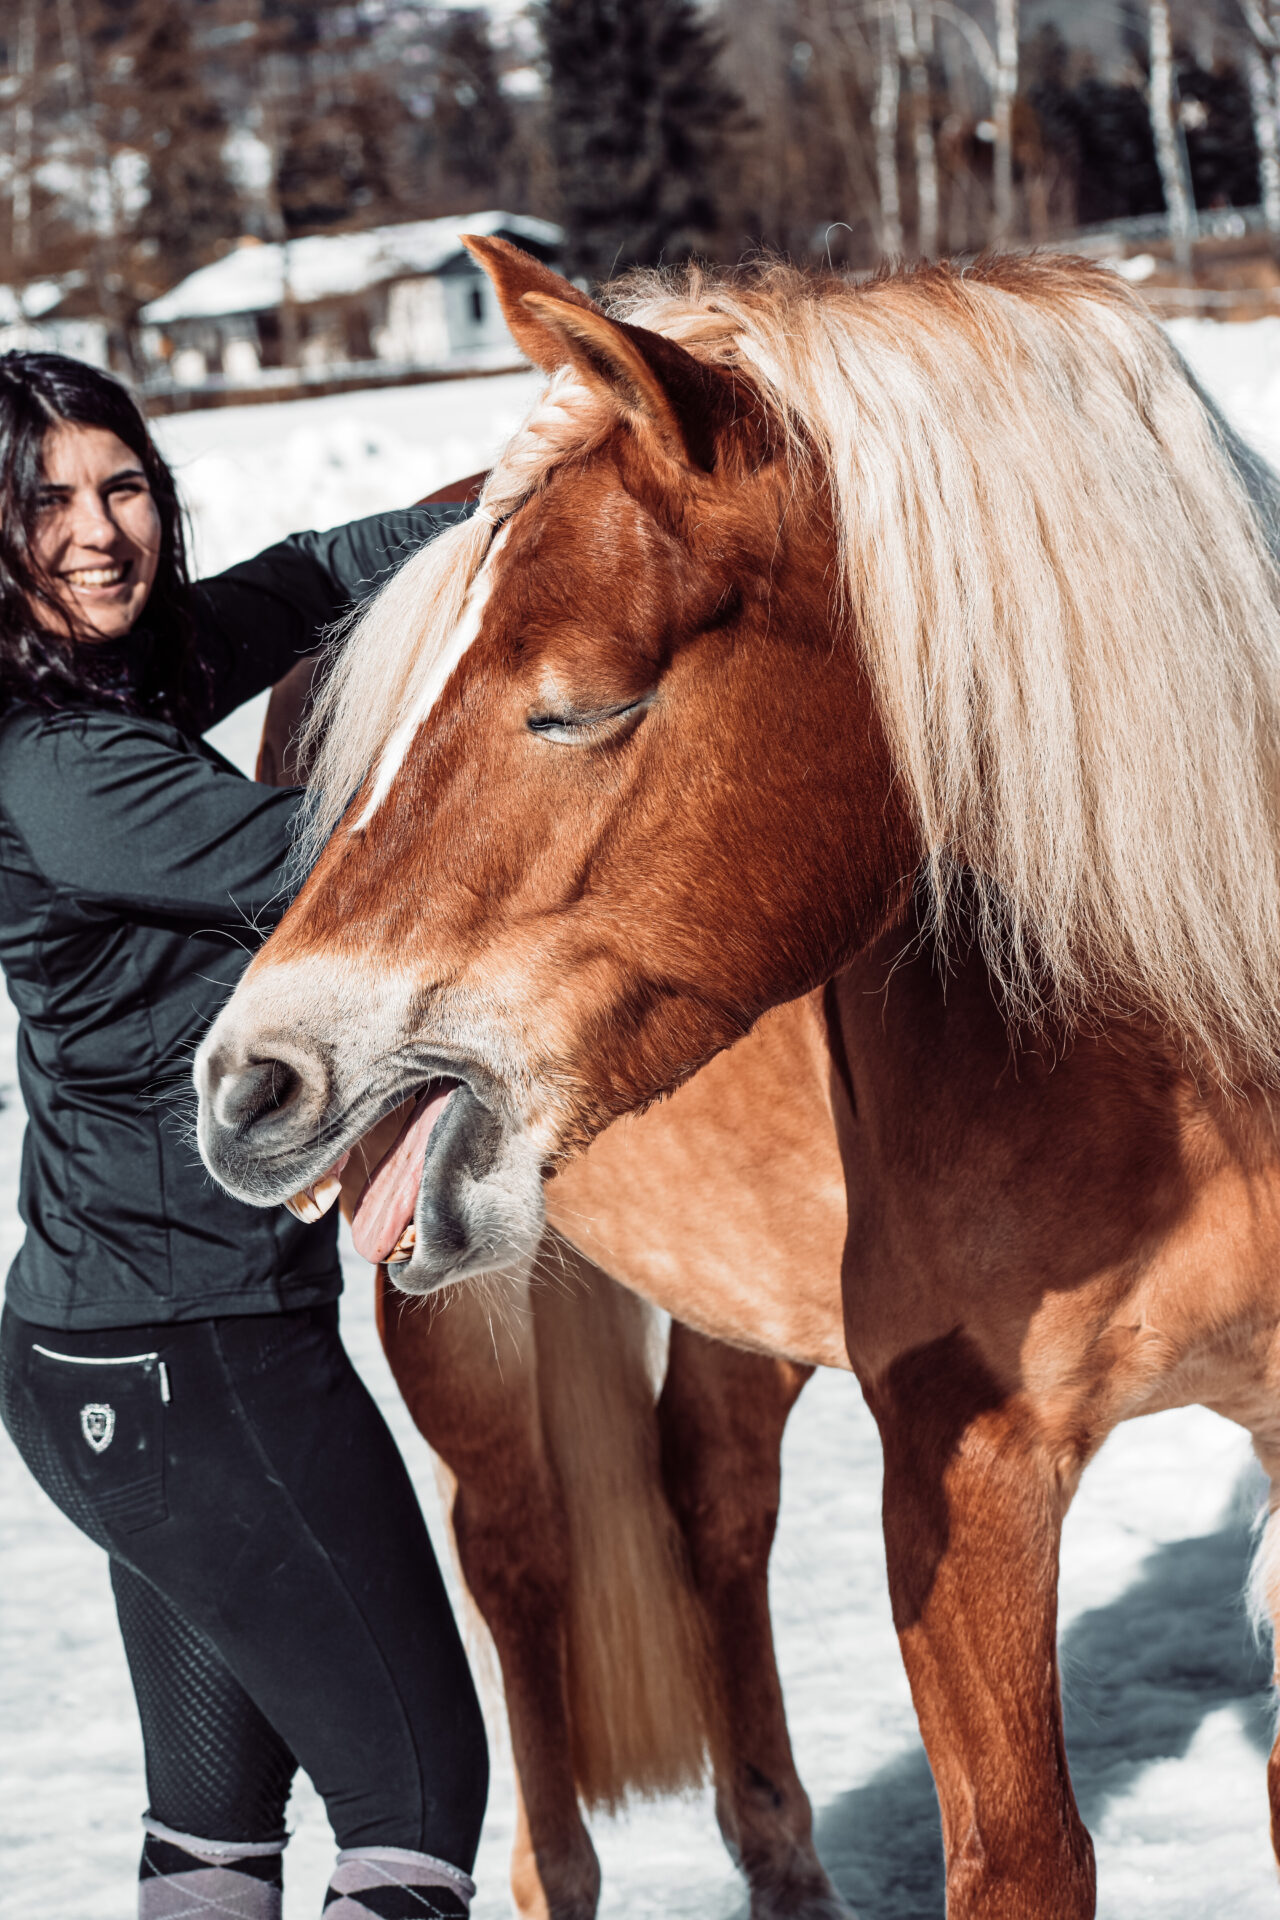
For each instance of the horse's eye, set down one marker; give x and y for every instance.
(579, 727)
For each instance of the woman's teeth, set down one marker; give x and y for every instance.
(95, 576)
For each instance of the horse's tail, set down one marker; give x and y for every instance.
(641, 1689)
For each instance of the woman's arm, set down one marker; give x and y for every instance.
(258, 618)
(121, 812)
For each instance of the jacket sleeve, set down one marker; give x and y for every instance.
(126, 814)
(258, 618)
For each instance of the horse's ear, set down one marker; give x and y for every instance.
(515, 273)
(643, 373)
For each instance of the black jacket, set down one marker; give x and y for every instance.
(137, 871)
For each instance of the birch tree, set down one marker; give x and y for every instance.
(925, 147)
(1006, 87)
(1262, 64)
(886, 132)
(1170, 154)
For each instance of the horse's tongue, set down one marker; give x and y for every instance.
(387, 1204)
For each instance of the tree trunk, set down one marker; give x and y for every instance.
(1006, 87)
(1262, 95)
(886, 129)
(24, 119)
(1169, 150)
(926, 151)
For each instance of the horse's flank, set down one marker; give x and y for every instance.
(1049, 552)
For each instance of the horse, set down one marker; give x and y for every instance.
(915, 643)
(616, 1545)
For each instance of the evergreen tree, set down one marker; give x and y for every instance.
(639, 129)
(471, 120)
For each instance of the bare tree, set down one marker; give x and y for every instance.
(24, 120)
(886, 130)
(1262, 98)
(1170, 154)
(1006, 86)
(911, 55)
(1262, 62)
(843, 53)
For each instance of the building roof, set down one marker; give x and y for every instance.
(251, 279)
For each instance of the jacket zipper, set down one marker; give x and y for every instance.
(111, 1360)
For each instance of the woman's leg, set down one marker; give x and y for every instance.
(274, 1512)
(218, 1775)
(325, 1596)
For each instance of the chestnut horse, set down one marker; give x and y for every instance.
(918, 638)
(617, 1550)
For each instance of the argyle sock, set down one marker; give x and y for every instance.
(390, 1883)
(183, 1878)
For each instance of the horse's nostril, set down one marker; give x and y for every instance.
(258, 1092)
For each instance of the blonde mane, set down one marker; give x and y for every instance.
(1059, 563)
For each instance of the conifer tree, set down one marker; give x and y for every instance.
(640, 125)
(472, 121)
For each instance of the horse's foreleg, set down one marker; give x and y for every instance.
(472, 1390)
(973, 1514)
(722, 1415)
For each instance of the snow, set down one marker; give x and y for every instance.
(251, 279)
(1167, 1702)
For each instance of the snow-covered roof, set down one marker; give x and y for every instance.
(252, 278)
(36, 298)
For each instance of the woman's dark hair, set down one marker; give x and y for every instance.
(39, 392)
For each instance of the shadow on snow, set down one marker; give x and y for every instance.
(1139, 1676)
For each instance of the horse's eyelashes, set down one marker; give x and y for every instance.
(573, 728)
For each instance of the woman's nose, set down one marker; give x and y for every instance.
(91, 523)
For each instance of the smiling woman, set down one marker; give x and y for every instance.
(170, 1363)
(98, 536)
(90, 536)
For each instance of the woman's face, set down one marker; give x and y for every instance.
(97, 538)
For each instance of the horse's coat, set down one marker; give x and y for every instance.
(922, 640)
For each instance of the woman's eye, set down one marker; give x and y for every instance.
(581, 728)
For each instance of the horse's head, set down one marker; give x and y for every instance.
(611, 825)
(955, 566)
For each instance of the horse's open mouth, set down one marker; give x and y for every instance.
(382, 1226)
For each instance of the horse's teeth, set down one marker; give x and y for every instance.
(314, 1201)
(403, 1248)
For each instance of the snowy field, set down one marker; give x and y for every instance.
(1168, 1714)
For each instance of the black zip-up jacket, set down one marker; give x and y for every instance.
(138, 869)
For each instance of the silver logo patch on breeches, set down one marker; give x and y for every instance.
(98, 1424)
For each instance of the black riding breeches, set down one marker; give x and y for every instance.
(276, 1588)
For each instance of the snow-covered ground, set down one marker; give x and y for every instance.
(1168, 1715)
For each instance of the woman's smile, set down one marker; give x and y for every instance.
(92, 579)
(97, 539)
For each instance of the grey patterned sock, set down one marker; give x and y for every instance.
(391, 1883)
(185, 1878)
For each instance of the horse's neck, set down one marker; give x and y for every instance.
(925, 1060)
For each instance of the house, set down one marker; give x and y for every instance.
(56, 316)
(401, 297)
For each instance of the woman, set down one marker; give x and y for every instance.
(170, 1365)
